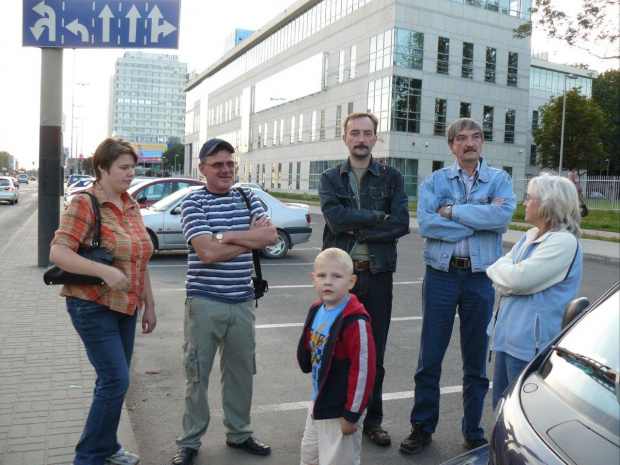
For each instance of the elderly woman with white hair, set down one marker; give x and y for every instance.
(537, 279)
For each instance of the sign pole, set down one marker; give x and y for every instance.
(50, 151)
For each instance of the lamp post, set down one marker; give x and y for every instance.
(175, 163)
(607, 161)
(566, 76)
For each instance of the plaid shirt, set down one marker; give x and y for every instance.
(122, 233)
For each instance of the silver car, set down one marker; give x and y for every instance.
(8, 191)
(292, 221)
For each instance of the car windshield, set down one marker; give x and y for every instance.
(166, 202)
(586, 362)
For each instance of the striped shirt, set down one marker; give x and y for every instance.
(122, 233)
(206, 213)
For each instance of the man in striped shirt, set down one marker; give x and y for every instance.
(219, 310)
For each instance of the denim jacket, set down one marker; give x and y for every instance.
(473, 215)
(381, 193)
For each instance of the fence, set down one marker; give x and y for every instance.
(600, 192)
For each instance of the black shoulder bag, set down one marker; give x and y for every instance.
(54, 275)
(260, 285)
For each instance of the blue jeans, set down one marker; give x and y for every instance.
(442, 294)
(507, 369)
(108, 338)
(375, 292)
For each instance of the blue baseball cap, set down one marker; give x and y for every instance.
(209, 147)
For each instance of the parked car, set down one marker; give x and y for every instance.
(8, 191)
(250, 185)
(73, 178)
(152, 190)
(80, 185)
(565, 406)
(22, 178)
(595, 195)
(292, 221)
(15, 181)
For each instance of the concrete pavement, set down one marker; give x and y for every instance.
(46, 380)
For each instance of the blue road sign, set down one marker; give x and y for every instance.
(101, 23)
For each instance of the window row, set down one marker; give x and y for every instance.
(556, 81)
(518, 8)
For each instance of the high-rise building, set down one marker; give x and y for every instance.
(147, 103)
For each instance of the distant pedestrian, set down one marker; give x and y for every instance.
(336, 346)
(219, 309)
(536, 280)
(572, 177)
(366, 211)
(463, 210)
(105, 316)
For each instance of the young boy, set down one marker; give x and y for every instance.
(337, 347)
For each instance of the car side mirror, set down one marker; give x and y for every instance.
(573, 310)
(141, 199)
(176, 210)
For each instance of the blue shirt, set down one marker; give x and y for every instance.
(323, 321)
(206, 213)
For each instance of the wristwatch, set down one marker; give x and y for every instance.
(448, 211)
(220, 237)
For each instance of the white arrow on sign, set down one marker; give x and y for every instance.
(156, 28)
(50, 21)
(133, 16)
(77, 28)
(106, 15)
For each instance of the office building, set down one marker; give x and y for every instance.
(281, 95)
(147, 103)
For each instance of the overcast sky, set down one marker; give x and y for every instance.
(204, 26)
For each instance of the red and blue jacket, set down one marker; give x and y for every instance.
(346, 380)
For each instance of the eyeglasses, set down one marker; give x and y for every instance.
(231, 165)
(528, 197)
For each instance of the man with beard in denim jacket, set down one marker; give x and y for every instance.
(366, 210)
(463, 210)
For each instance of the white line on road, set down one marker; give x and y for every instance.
(305, 405)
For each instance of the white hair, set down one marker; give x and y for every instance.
(558, 202)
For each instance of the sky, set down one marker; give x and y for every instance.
(204, 25)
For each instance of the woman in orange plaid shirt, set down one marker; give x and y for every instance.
(105, 315)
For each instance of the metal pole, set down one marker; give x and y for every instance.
(72, 106)
(562, 130)
(50, 151)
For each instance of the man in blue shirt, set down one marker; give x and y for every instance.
(463, 210)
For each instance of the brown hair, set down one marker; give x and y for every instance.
(108, 152)
(360, 114)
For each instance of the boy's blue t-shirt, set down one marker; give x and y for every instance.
(321, 325)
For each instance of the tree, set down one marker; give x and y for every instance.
(584, 126)
(179, 151)
(4, 160)
(606, 93)
(87, 166)
(594, 28)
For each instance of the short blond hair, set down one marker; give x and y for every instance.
(337, 255)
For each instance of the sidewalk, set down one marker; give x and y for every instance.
(46, 380)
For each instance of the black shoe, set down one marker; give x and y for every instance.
(416, 440)
(251, 445)
(185, 456)
(471, 444)
(378, 435)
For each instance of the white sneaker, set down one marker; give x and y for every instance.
(122, 457)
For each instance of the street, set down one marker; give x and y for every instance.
(281, 391)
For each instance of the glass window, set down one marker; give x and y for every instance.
(301, 128)
(467, 66)
(313, 128)
(353, 62)
(534, 121)
(409, 169)
(491, 63)
(513, 67)
(350, 108)
(408, 48)
(440, 117)
(508, 169)
(341, 66)
(487, 123)
(292, 138)
(465, 111)
(338, 121)
(443, 55)
(509, 127)
(533, 155)
(322, 128)
(406, 104)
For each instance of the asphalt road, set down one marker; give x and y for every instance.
(281, 391)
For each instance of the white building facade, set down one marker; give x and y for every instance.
(281, 95)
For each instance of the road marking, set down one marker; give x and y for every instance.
(306, 404)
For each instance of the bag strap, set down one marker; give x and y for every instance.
(96, 242)
(255, 258)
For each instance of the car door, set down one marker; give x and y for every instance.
(172, 229)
